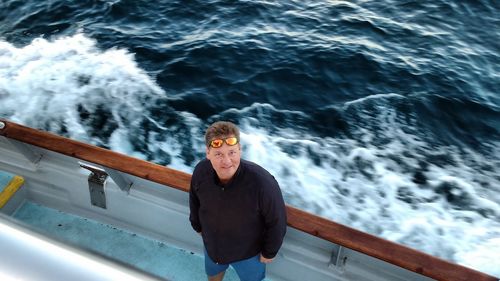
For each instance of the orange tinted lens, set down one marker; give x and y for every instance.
(216, 143)
(232, 141)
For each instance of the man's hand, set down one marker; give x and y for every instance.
(265, 260)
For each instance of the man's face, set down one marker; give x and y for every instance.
(225, 160)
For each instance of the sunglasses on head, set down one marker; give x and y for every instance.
(216, 143)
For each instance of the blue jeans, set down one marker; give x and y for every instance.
(250, 269)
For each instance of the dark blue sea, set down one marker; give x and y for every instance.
(381, 115)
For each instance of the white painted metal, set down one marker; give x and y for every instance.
(160, 212)
(27, 255)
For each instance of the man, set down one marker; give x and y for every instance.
(236, 206)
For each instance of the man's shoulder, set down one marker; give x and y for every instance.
(202, 168)
(202, 164)
(256, 171)
(253, 167)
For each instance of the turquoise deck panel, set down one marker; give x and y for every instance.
(5, 179)
(138, 251)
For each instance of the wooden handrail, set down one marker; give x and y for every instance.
(368, 244)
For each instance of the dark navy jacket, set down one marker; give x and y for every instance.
(245, 217)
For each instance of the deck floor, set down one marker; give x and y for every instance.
(144, 253)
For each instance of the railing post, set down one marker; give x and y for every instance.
(96, 179)
(338, 259)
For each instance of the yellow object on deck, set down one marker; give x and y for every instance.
(9, 184)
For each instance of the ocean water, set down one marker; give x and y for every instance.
(381, 115)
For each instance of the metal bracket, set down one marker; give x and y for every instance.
(338, 259)
(123, 182)
(26, 151)
(96, 179)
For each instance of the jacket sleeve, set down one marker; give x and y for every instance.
(194, 206)
(274, 214)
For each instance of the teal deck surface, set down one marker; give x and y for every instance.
(138, 251)
(5, 179)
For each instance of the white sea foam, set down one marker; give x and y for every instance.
(370, 97)
(454, 214)
(43, 84)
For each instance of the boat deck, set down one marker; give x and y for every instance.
(145, 223)
(144, 253)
